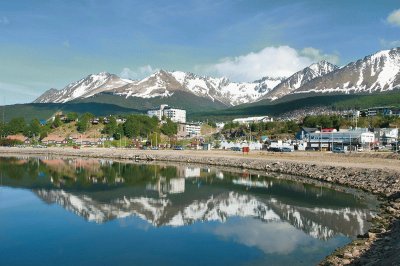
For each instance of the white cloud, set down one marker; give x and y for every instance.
(280, 61)
(138, 73)
(316, 55)
(394, 18)
(389, 44)
(4, 21)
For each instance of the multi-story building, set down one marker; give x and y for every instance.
(176, 115)
(189, 130)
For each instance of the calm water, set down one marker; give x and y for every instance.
(91, 212)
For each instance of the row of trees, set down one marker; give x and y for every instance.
(19, 126)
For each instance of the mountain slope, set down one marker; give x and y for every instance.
(179, 99)
(300, 78)
(83, 88)
(379, 72)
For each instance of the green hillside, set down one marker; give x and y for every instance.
(200, 108)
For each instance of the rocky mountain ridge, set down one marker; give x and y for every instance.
(379, 72)
(162, 84)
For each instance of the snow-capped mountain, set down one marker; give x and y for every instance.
(300, 78)
(163, 84)
(379, 72)
(83, 88)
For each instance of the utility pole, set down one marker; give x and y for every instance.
(350, 142)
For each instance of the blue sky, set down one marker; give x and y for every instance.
(48, 44)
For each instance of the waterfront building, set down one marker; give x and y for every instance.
(361, 137)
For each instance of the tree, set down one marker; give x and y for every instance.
(16, 125)
(111, 127)
(34, 129)
(2, 129)
(83, 123)
(169, 128)
(119, 132)
(72, 116)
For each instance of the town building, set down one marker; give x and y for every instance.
(176, 115)
(255, 119)
(19, 138)
(54, 139)
(386, 135)
(348, 139)
(380, 110)
(189, 130)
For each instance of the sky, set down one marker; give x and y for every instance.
(51, 43)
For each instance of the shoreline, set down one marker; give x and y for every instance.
(374, 173)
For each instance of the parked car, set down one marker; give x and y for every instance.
(360, 149)
(311, 149)
(338, 150)
(285, 149)
(180, 148)
(236, 149)
(274, 149)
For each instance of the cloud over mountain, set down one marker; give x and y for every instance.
(281, 61)
(137, 73)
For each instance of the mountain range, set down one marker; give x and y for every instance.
(379, 72)
(162, 84)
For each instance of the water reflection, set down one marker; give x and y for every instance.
(177, 196)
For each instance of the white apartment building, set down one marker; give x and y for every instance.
(176, 115)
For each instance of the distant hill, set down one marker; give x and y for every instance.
(98, 106)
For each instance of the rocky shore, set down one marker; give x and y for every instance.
(379, 246)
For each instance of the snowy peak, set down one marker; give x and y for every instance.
(322, 68)
(300, 78)
(86, 87)
(159, 84)
(378, 72)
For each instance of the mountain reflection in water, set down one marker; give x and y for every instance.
(165, 195)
